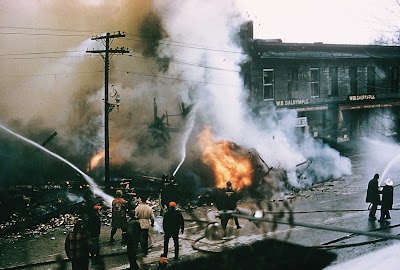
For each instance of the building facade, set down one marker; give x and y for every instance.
(340, 92)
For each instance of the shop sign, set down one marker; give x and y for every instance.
(361, 97)
(301, 122)
(290, 102)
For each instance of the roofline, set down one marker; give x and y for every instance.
(278, 42)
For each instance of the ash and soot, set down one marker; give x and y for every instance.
(174, 59)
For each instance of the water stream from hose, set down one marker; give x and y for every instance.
(92, 185)
(190, 125)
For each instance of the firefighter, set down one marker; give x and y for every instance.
(93, 228)
(77, 247)
(164, 194)
(119, 220)
(373, 196)
(133, 239)
(131, 200)
(387, 200)
(169, 192)
(172, 223)
(227, 202)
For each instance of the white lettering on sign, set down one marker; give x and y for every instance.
(301, 122)
(362, 97)
(292, 102)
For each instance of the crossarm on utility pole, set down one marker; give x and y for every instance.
(106, 57)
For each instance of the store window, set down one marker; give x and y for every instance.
(314, 82)
(334, 81)
(293, 81)
(394, 79)
(371, 80)
(353, 80)
(268, 84)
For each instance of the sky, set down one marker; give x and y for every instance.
(328, 21)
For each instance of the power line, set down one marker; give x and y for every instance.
(49, 74)
(39, 53)
(47, 29)
(186, 63)
(177, 79)
(5, 57)
(42, 34)
(193, 46)
(44, 57)
(127, 72)
(168, 43)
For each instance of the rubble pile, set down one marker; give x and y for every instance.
(65, 220)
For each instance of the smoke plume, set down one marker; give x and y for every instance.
(181, 51)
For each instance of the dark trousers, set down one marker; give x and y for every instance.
(114, 231)
(94, 247)
(372, 211)
(385, 213)
(175, 237)
(80, 263)
(144, 240)
(132, 252)
(224, 222)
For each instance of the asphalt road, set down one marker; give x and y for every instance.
(339, 204)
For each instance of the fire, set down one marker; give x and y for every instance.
(115, 157)
(95, 160)
(227, 160)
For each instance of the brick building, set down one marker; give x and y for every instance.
(340, 92)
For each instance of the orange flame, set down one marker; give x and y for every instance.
(95, 160)
(227, 161)
(115, 157)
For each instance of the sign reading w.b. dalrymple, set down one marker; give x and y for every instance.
(290, 102)
(362, 97)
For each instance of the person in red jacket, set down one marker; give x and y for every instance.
(77, 247)
(119, 219)
(172, 223)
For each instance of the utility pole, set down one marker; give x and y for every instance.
(107, 106)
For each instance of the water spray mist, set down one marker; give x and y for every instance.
(186, 135)
(92, 185)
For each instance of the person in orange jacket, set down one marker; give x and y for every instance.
(119, 219)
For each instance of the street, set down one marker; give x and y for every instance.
(339, 203)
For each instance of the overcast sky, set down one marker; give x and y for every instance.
(328, 21)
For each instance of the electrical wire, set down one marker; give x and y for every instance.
(178, 79)
(47, 29)
(42, 34)
(184, 62)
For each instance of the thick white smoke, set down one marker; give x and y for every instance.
(195, 60)
(211, 23)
